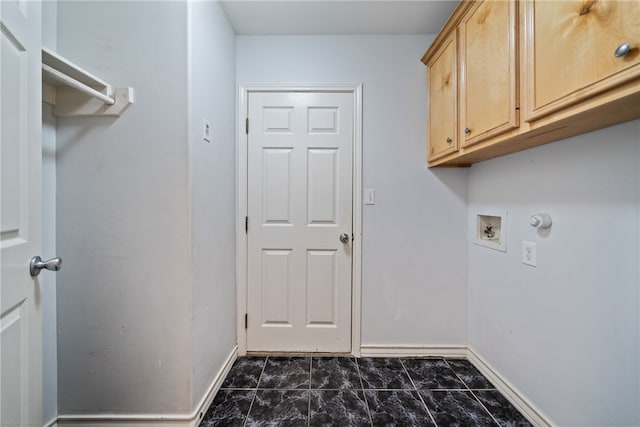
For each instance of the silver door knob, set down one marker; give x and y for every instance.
(449, 140)
(36, 265)
(467, 131)
(344, 238)
(622, 50)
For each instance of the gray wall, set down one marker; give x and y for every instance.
(414, 257)
(565, 333)
(124, 295)
(146, 217)
(212, 96)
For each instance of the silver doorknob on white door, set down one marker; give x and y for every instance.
(344, 238)
(36, 265)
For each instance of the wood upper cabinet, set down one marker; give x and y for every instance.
(443, 85)
(570, 52)
(530, 72)
(488, 72)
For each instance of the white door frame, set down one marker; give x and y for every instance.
(242, 194)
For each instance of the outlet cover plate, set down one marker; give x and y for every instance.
(529, 253)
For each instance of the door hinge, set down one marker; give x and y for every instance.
(246, 321)
(246, 125)
(246, 225)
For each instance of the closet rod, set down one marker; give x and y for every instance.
(69, 81)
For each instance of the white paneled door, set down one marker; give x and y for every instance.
(300, 152)
(21, 154)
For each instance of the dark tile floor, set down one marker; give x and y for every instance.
(345, 391)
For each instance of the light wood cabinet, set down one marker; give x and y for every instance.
(488, 79)
(443, 117)
(570, 50)
(532, 72)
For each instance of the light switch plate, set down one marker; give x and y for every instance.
(206, 131)
(369, 196)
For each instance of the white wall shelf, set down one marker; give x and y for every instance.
(74, 91)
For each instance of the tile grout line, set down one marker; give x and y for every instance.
(364, 395)
(309, 392)
(472, 393)
(418, 392)
(485, 408)
(255, 392)
(358, 389)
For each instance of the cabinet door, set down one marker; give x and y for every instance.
(443, 87)
(488, 80)
(570, 51)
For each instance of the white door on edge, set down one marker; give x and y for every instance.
(300, 148)
(20, 217)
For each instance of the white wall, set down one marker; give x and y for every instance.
(414, 256)
(212, 168)
(49, 335)
(565, 333)
(124, 294)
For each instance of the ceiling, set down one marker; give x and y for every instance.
(327, 17)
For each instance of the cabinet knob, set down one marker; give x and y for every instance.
(622, 50)
(467, 131)
(449, 140)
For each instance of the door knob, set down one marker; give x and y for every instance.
(344, 238)
(36, 265)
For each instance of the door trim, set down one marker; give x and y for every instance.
(242, 201)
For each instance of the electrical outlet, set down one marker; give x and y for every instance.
(529, 253)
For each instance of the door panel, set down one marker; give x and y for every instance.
(276, 271)
(322, 186)
(322, 287)
(574, 44)
(14, 108)
(299, 202)
(20, 233)
(488, 101)
(443, 92)
(277, 189)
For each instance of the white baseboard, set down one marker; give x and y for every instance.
(526, 408)
(164, 420)
(373, 350)
(206, 400)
